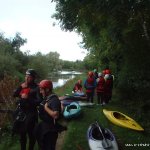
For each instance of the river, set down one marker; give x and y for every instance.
(61, 77)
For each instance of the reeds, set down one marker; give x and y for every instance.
(7, 101)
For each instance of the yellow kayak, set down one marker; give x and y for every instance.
(122, 120)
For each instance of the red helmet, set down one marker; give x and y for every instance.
(107, 71)
(46, 84)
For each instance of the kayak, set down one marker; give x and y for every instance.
(72, 110)
(101, 138)
(122, 120)
(67, 102)
(75, 98)
(84, 104)
(79, 94)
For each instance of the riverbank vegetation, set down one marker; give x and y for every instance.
(117, 36)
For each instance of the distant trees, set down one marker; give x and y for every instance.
(12, 59)
(117, 35)
(14, 62)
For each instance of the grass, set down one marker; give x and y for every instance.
(77, 130)
(75, 137)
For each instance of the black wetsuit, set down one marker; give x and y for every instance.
(47, 129)
(28, 114)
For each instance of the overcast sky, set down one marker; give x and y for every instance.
(32, 18)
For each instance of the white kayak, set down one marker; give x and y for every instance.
(101, 138)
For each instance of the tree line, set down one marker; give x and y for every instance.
(116, 34)
(14, 62)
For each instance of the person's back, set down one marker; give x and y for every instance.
(100, 89)
(100, 84)
(108, 87)
(90, 85)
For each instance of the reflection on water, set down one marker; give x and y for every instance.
(62, 77)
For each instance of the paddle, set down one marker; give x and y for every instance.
(105, 143)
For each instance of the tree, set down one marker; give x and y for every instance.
(116, 33)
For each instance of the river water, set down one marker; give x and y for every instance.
(61, 77)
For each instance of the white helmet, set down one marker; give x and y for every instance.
(100, 74)
(107, 76)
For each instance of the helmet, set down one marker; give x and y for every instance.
(31, 72)
(95, 70)
(107, 71)
(90, 73)
(46, 84)
(100, 74)
(107, 76)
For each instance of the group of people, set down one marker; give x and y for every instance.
(101, 83)
(39, 109)
(37, 113)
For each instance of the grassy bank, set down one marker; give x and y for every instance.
(75, 137)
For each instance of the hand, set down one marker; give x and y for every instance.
(24, 96)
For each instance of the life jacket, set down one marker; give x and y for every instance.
(108, 86)
(77, 87)
(100, 85)
(90, 84)
(25, 91)
(43, 114)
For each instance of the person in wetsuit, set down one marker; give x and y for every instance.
(26, 115)
(49, 112)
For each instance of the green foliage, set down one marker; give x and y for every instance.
(8, 65)
(117, 35)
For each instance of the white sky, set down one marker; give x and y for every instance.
(32, 18)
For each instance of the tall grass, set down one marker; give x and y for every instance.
(7, 101)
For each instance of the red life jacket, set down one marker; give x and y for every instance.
(25, 91)
(100, 85)
(108, 86)
(78, 87)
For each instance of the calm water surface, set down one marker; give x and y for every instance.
(60, 78)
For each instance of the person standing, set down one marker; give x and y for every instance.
(108, 87)
(95, 73)
(90, 85)
(49, 112)
(100, 89)
(26, 115)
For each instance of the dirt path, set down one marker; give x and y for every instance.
(60, 140)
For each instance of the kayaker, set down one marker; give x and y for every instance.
(90, 85)
(100, 89)
(78, 87)
(26, 115)
(49, 112)
(108, 87)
